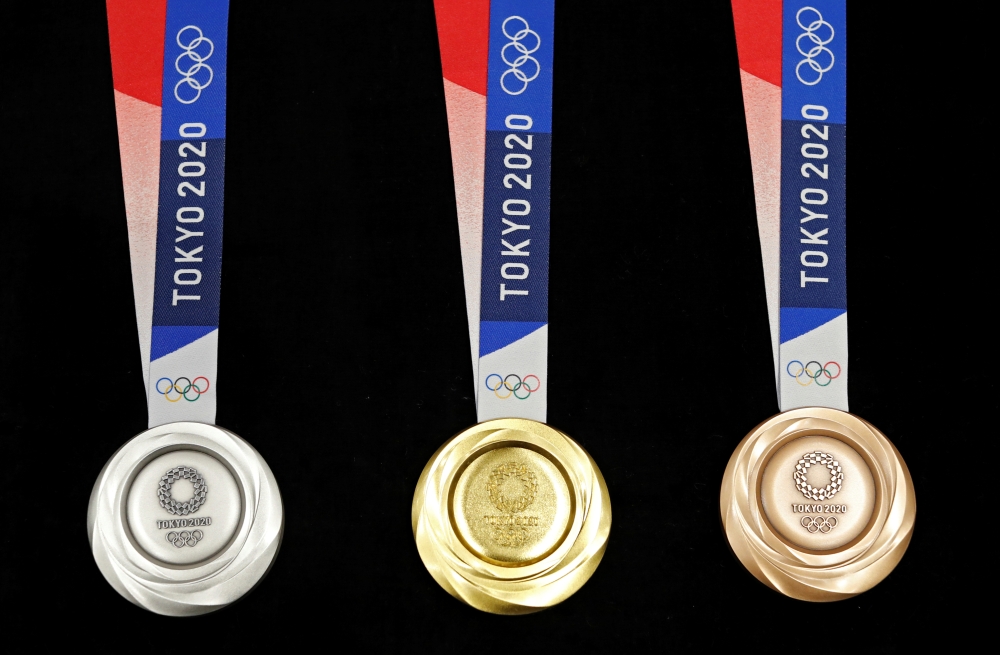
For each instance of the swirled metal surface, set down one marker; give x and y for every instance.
(513, 586)
(817, 575)
(204, 586)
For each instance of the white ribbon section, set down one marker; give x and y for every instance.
(510, 379)
(813, 369)
(182, 383)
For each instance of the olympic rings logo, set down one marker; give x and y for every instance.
(523, 56)
(183, 387)
(814, 32)
(806, 374)
(513, 385)
(194, 65)
(185, 538)
(816, 524)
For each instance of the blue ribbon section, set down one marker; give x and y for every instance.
(192, 167)
(515, 268)
(813, 165)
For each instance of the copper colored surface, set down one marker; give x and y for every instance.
(810, 522)
(760, 488)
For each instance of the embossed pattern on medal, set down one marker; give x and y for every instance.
(506, 555)
(200, 587)
(818, 575)
(511, 506)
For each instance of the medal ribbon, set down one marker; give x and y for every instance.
(793, 67)
(496, 58)
(169, 65)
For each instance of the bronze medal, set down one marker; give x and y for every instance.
(818, 504)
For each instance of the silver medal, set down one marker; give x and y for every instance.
(185, 518)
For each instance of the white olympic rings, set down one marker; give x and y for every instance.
(523, 56)
(816, 49)
(195, 64)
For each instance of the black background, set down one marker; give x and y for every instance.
(344, 353)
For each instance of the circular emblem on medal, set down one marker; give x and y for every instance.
(190, 506)
(167, 544)
(818, 504)
(511, 516)
(525, 487)
(801, 476)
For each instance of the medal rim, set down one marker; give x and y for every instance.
(505, 588)
(206, 585)
(801, 573)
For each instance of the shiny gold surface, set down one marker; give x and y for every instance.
(762, 490)
(511, 516)
(511, 506)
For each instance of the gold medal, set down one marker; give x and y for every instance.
(511, 516)
(818, 504)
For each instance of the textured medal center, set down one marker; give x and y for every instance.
(183, 491)
(512, 487)
(511, 506)
(174, 517)
(818, 478)
(818, 492)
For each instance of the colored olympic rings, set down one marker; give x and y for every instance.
(816, 524)
(185, 538)
(821, 374)
(513, 385)
(183, 387)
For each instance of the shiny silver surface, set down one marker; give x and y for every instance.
(181, 584)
